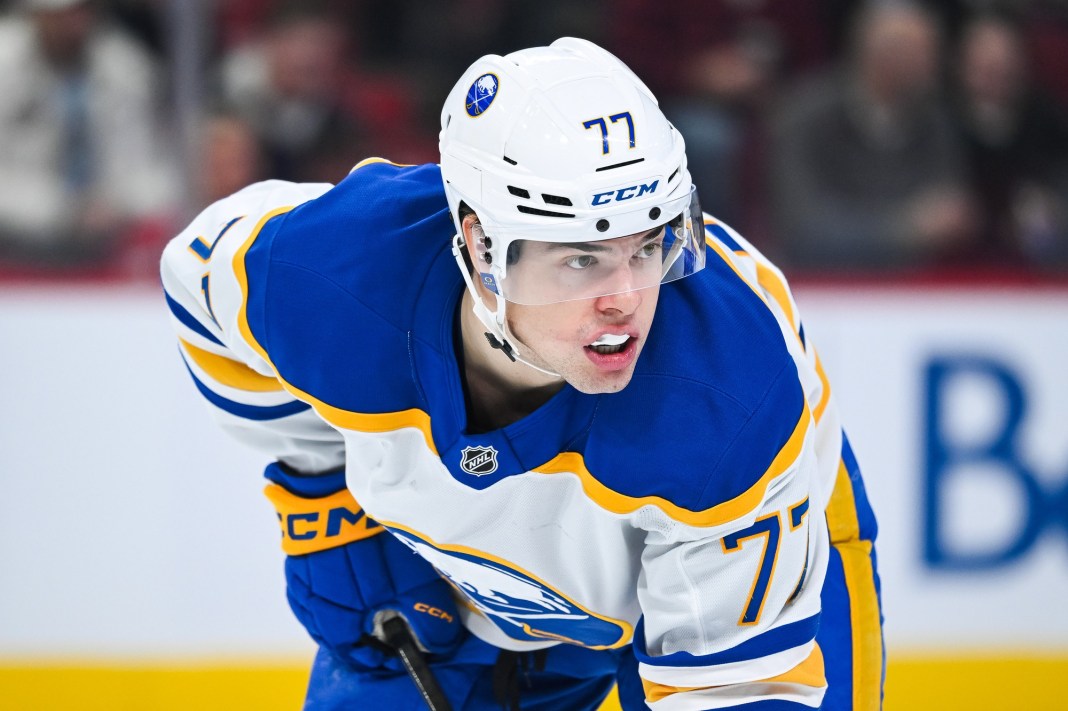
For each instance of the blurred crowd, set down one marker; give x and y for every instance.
(840, 136)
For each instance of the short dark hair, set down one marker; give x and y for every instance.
(463, 211)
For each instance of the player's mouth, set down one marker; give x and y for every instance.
(612, 351)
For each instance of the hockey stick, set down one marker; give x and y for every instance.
(399, 637)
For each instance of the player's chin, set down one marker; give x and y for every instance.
(595, 381)
(606, 388)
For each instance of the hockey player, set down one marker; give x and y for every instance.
(535, 405)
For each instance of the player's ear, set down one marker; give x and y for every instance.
(473, 234)
(476, 249)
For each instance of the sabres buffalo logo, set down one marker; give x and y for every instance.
(521, 606)
(481, 94)
(479, 461)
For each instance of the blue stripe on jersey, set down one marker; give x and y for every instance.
(722, 235)
(778, 639)
(187, 320)
(204, 250)
(308, 486)
(249, 412)
(865, 516)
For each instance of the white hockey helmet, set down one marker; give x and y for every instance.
(565, 145)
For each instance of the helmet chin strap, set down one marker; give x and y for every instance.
(494, 321)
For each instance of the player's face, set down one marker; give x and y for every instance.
(593, 343)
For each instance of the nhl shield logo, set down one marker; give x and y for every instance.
(479, 461)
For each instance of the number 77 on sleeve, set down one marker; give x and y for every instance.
(769, 529)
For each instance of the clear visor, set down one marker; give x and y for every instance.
(543, 272)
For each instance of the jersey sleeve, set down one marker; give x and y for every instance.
(205, 297)
(730, 612)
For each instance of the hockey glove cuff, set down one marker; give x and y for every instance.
(345, 573)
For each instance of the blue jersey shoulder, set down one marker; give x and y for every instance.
(714, 398)
(332, 285)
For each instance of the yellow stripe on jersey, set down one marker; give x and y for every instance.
(229, 372)
(371, 422)
(376, 159)
(723, 254)
(346, 419)
(738, 507)
(767, 279)
(242, 280)
(657, 692)
(860, 584)
(810, 672)
(825, 393)
(770, 281)
(774, 285)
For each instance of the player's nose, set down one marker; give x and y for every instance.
(624, 302)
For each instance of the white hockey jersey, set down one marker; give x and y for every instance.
(684, 514)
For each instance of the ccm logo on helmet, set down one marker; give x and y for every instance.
(626, 193)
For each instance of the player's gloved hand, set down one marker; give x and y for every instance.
(345, 573)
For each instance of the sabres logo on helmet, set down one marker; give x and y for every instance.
(481, 94)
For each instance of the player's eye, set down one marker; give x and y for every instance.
(648, 249)
(580, 261)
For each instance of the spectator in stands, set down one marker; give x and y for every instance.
(1016, 141)
(231, 158)
(866, 171)
(715, 64)
(1046, 23)
(293, 87)
(82, 154)
(434, 41)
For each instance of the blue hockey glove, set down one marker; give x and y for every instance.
(345, 574)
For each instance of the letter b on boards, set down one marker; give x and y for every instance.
(1000, 451)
